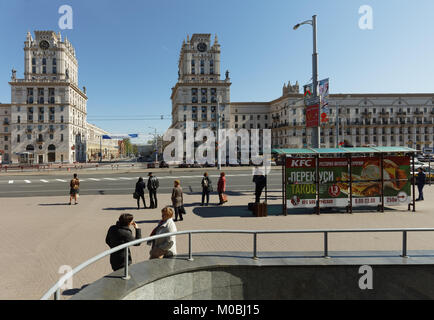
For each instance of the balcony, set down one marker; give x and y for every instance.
(366, 114)
(29, 131)
(5, 122)
(30, 100)
(401, 113)
(40, 141)
(384, 114)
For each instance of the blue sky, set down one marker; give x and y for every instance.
(141, 42)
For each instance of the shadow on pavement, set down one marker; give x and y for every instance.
(147, 221)
(226, 210)
(53, 204)
(71, 292)
(122, 208)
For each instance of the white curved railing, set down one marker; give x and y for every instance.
(56, 288)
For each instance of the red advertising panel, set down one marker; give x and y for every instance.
(312, 116)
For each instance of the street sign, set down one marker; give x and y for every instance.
(428, 150)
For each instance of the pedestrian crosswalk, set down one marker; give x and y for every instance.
(110, 179)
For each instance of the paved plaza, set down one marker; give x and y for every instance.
(39, 235)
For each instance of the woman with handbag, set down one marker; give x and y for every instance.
(164, 247)
(178, 200)
(140, 192)
(74, 185)
(221, 188)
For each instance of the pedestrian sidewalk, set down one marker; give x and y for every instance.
(40, 235)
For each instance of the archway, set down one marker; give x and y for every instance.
(51, 153)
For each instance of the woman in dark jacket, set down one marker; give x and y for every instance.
(206, 188)
(140, 191)
(120, 234)
(177, 200)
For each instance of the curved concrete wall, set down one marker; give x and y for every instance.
(306, 276)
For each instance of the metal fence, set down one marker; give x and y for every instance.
(55, 290)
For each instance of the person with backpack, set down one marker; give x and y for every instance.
(206, 188)
(119, 234)
(74, 185)
(140, 192)
(153, 185)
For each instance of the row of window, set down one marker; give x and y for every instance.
(44, 61)
(258, 117)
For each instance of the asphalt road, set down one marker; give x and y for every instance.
(123, 183)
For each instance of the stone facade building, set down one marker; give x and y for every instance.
(47, 122)
(399, 119)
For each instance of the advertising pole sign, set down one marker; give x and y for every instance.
(323, 89)
(312, 116)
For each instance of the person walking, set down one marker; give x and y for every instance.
(221, 188)
(164, 247)
(153, 185)
(206, 188)
(119, 234)
(74, 185)
(260, 181)
(140, 192)
(420, 181)
(177, 200)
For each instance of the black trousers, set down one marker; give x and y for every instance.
(153, 198)
(205, 193)
(258, 192)
(420, 188)
(138, 200)
(178, 213)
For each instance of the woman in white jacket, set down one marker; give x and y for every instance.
(164, 247)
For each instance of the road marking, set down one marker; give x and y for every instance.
(11, 181)
(111, 179)
(93, 179)
(122, 178)
(45, 181)
(61, 180)
(27, 181)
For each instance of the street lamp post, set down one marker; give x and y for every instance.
(155, 143)
(219, 166)
(315, 130)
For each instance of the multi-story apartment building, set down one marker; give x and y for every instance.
(108, 149)
(48, 110)
(359, 119)
(5, 133)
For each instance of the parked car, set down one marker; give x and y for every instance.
(209, 165)
(151, 165)
(183, 165)
(195, 165)
(164, 164)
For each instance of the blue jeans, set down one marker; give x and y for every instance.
(420, 187)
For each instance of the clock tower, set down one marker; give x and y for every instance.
(200, 90)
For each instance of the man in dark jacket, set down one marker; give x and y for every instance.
(120, 234)
(153, 185)
(260, 182)
(420, 181)
(140, 192)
